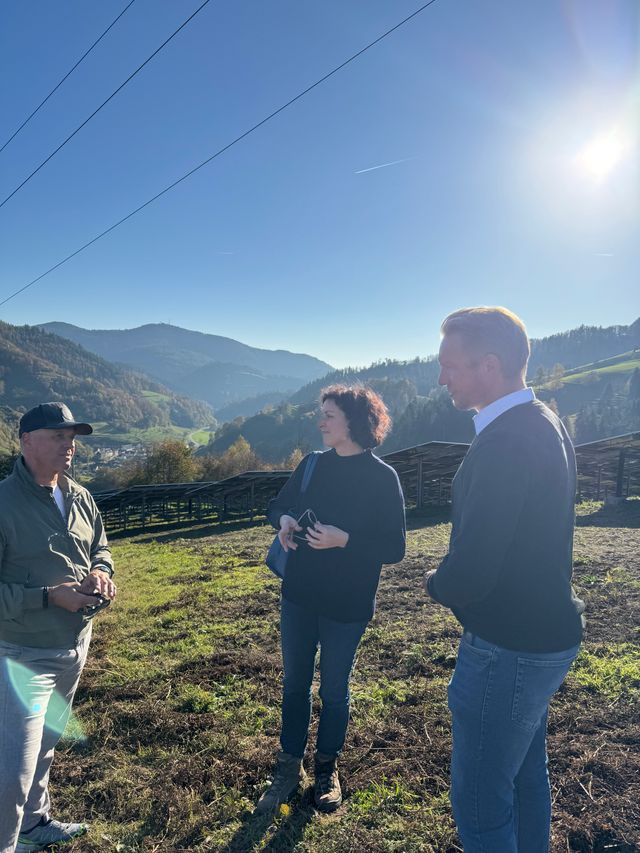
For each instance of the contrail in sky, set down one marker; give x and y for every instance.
(383, 165)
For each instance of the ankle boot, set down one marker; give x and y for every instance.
(327, 792)
(289, 774)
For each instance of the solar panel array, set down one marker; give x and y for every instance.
(607, 468)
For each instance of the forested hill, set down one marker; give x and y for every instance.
(574, 348)
(36, 367)
(220, 370)
(185, 349)
(584, 345)
(421, 411)
(237, 379)
(589, 374)
(421, 373)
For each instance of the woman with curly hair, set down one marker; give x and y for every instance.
(348, 522)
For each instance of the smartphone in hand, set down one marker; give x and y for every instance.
(306, 520)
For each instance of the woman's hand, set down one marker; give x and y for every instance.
(288, 526)
(326, 536)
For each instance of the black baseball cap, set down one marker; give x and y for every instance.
(51, 416)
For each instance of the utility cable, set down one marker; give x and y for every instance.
(68, 74)
(219, 152)
(104, 103)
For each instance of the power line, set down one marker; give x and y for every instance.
(104, 103)
(219, 152)
(68, 74)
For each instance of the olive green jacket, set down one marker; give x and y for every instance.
(39, 548)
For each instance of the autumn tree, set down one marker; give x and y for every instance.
(293, 459)
(169, 461)
(236, 459)
(556, 377)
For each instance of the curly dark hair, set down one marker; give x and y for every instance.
(367, 416)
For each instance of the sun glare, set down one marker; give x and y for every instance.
(584, 162)
(602, 154)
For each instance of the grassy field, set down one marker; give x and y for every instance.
(201, 436)
(618, 366)
(156, 396)
(103, 434)
(179, 705)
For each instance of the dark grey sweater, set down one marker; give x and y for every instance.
(507, 576)
(361, 495)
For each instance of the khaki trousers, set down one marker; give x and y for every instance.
(37, 687)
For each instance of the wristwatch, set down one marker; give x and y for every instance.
(102, 567)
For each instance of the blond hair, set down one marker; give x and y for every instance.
(494, 330)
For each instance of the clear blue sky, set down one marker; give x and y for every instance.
(516, 124)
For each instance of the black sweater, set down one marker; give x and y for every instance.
(362, 496)
(507, 576)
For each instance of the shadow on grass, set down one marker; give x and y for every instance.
(185, 530)
(429, 517)
(190, 529)
(286, 837)
(624, 514)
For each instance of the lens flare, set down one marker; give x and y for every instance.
(36, 694)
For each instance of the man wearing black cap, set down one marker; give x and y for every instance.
(55, 573)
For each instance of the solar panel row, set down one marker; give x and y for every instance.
(609, 467)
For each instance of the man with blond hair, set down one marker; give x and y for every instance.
(55, 574)
(507, 579)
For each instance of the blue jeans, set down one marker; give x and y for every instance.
(301, 632)
(499, 700)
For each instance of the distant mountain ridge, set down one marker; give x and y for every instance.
(573, 348)
(240, 380)
(203, 366)
(36, 366)
(589, 374)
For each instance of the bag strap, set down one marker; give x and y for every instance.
(308, 470)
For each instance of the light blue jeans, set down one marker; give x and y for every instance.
(36, 691)
(499, 700)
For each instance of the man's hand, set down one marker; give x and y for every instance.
(69, 597)
(322, 536)
(288, 526)
(98, 582)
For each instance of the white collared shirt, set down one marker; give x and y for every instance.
(500, 406)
